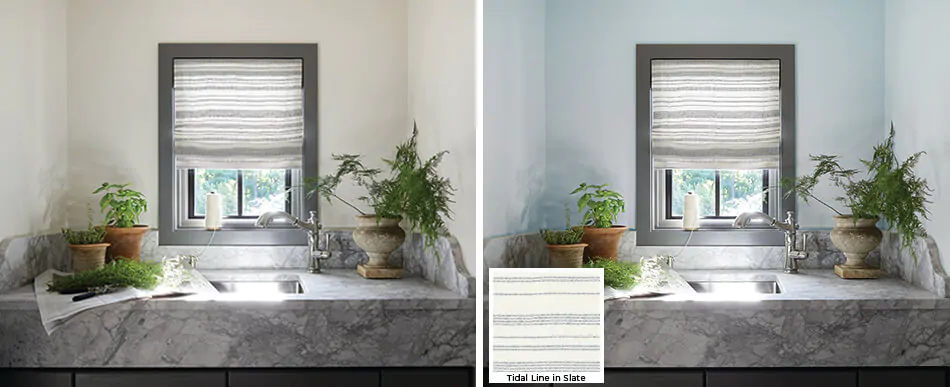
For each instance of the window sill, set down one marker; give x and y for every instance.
(277, 236)
(711, 237)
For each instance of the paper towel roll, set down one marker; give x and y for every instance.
(213, 211)
(691, 211)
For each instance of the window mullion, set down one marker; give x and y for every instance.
(240, 193)
(718, 193)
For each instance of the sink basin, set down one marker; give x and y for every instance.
(736, 287)
(259, 287)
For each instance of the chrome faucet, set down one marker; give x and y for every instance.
(312, 226)
(789, 226)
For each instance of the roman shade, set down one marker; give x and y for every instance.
(238, 113)
(715, 114)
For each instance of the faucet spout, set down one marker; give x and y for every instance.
(265, 220)
(743, 220)
(789, 226)
(312, 226)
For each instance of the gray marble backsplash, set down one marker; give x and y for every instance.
(23, 258)
(528, 250)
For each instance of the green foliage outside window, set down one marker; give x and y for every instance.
(740, 191)
(264, 190)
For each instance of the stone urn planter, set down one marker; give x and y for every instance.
(566, 256)
(378, 238)
(856, 238)
(602, 242)
(125, 242)
(88, 257)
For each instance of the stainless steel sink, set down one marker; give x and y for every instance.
(259, 287)
(736, 287)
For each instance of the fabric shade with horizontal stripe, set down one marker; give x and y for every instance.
(239, 113)
(715, 114)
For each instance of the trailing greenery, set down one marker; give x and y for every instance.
(120, 273)
(413, 191)
(890, 191)
(124, 205)
(618, 275)
(570, 235)
(602, 205)
(92, 235)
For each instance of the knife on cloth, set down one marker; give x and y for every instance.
(95, 292)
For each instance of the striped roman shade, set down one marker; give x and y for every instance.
(715, 114)
(239, 113)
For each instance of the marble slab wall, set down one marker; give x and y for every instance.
(23, 258)
(528, 250)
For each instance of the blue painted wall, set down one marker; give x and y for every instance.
(917, 80)
(590, 83)
(514, 130)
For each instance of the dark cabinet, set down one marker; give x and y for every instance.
(35, 378)
(151, 378)
(782, 378)
(917, 377)
(427, 377)
(304, 378)
(652, 378)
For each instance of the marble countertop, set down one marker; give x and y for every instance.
(341, 319)
(810, 289)
(331, 286)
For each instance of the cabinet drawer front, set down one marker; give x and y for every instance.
(427, 377)
(162, 378)
(918, 377)
(782, 378)
(304, 378)
(35, 378)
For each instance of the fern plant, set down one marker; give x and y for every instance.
(124, 205)
(414, 190)
(602, 205)
(891, 190)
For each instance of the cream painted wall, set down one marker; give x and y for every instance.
(33, 107)
(442, 100)
(113, 96)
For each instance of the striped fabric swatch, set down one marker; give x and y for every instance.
(547, 322)
(239, 113)
(716, 114)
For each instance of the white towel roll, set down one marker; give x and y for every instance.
(691, 211)
(213, 211)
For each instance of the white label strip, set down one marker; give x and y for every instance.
(546, 325)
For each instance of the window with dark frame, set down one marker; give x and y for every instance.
(734, 179)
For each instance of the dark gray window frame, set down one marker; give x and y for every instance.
(169, 233)
(647, 233)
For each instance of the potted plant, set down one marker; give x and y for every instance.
(565, 248)
(87, 247)
(413, 192)
(891, 191)
(124, 206)
(601, 207)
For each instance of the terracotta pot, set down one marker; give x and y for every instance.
(88, 257)
(855, 238)
(604, 242)
(378, 238)
(566, 255)
(126, 242)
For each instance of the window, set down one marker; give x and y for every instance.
(245, 193)
(238, 120)
(717, 120)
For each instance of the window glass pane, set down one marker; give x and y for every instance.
(222, 181)
(702, 182)
(741, 191)
(264, 190)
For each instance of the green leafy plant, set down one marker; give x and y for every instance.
(602, 205)
(570, 235)
(413, 191)
(890, 191)
(120, 273)
(90, 236)
(618, 275)
(124, 205)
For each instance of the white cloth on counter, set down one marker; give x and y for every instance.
(673, 284)
(56, 309)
